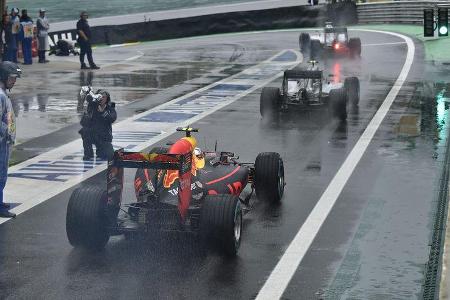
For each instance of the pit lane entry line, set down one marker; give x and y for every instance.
(45, 176)
(283, 272)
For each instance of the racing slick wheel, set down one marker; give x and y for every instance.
(315, 50)
(269, 177)
(304, 41)
(86, 219)
(354, 44)
(221, 222)
(338, 103)
(269, 101)
(351, 86)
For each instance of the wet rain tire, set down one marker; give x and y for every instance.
(351, 86)
(221, 223)
(269, 101)
(86, 219)
(355, 47)
(304, 42)
(315, 50)
(269, 177)
(338, 103)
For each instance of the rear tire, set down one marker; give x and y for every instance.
(269, 101)
(304, 42)
(338, 103)
(269, 177)
(351, 86)
(316, 50)
(355, 47)
(221, 223)
(86, 219)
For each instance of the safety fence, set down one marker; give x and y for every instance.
(275, 18)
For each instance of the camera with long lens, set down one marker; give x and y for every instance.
(88, 94)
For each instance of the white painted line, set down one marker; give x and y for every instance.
(38, 179)
(124, 45)
(384, 44)
(280, 277)
(135, 57)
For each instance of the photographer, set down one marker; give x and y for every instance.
(96, 123)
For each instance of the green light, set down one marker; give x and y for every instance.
(443, 30)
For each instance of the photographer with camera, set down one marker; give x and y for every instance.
(96, 123)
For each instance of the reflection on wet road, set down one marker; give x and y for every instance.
(48, 100)
(374, 242)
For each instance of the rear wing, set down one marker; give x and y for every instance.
(180, 163)
(166, 161)
(336, 30)
(302, 74)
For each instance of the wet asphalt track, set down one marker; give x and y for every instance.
(373, 244)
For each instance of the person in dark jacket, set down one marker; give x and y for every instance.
(84, 41)
(96, 125)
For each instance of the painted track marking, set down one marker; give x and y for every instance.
(283, 272)
(39, 179)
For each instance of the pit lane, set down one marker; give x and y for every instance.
(38, 261)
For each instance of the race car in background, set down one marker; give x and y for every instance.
(182, 189)
(333, 41)
(304, 89)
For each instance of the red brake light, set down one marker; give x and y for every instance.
(337, 46)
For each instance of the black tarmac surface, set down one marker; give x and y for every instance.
(373, 244)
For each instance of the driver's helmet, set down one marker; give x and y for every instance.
(199, 158)
(9, 69)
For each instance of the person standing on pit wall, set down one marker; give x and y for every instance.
(27, 33)
(84, 41)
(42, 33)
(9, 72)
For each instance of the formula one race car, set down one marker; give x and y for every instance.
(308, 89)
(334, 40)
(180, 189)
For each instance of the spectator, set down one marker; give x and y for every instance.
(9, 71)
(42, 32)
(84, 40)
(96, 124)
(27, 32)
(6, 36)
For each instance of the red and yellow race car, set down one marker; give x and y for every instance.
(182, 189)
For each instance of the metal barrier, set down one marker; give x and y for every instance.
(410, 12)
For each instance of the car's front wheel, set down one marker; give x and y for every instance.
(221, 223)
(269, 177)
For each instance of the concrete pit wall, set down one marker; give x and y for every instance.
(343, 13)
